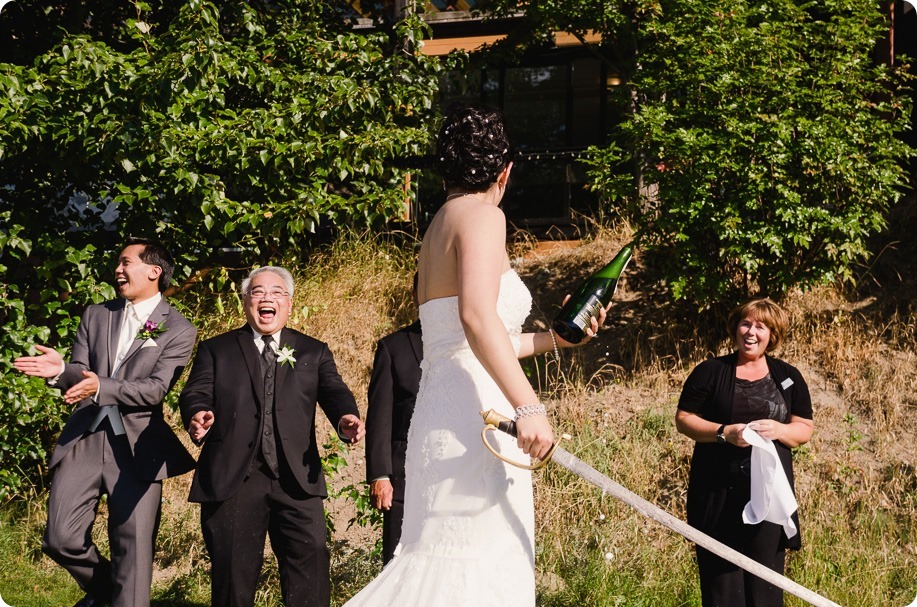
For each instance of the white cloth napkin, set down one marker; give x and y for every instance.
(772, 497)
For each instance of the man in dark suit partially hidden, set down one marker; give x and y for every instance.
(392, 393)
(127, 355)
(251, 399)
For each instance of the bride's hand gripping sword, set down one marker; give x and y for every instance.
(495, 421)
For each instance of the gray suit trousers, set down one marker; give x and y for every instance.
(102, 463)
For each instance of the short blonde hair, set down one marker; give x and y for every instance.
(765, 311)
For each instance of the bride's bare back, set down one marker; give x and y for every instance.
(464, 246)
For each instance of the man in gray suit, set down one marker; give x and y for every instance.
(127, 355)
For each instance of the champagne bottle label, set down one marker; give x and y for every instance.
(575, 317)
(589, 310)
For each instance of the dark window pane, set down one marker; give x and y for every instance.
(536, 190)
(585, 128)
(581, 200)
(554, 112)
(490, 90)
(535, 101)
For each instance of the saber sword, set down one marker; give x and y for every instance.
(495, 421)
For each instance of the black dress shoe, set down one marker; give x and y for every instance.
(91, 601)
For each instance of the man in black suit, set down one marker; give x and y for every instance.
(127, 355)
(392, 393)
(251, 398)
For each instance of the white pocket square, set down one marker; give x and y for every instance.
(149, 343)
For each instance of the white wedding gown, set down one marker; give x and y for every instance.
(468, 535)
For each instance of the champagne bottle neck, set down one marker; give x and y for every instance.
(616, 266)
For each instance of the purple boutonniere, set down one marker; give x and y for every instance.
(151, 330)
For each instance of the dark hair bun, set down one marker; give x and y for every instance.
(473, 147)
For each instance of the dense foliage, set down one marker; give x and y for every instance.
(238, 127)
(763, 136)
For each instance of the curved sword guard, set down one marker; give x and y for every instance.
(495, 421)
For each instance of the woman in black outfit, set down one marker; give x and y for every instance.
(720, 397)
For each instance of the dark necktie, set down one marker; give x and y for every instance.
(268, 442)
(268, 356)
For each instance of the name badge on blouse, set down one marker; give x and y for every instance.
(786, 383)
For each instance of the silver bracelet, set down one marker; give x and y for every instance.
(554, 341)
(530, 411)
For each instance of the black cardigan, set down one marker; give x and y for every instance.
(710, 388)
(709, 392)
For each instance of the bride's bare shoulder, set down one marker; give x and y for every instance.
(470, 214)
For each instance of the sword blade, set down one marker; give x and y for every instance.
(583, 470)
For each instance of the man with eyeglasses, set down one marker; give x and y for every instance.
(250, 400)
(127, 355)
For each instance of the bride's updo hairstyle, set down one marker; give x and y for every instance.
(473, 147)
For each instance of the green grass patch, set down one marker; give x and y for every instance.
(27, 577)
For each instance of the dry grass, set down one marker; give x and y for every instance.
(871, 359)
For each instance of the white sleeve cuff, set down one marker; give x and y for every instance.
(53, 381)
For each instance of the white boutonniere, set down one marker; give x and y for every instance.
(285, 355)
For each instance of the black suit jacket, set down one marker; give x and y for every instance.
(392, 394)
(226, 379)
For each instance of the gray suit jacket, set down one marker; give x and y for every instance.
(148, 372)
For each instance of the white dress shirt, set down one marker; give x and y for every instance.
(259, 343)
(133, 318)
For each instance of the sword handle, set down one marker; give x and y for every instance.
(500, 422)
(495, 421)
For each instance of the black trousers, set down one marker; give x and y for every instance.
(235, 530)
(392, 520)
(726, 585)
(717, 496)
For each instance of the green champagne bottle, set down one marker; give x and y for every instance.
(593, 295)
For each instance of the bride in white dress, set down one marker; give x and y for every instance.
(468, 534)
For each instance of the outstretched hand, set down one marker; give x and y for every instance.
(48, 364)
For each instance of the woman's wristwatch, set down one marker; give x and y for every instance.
(721, 434)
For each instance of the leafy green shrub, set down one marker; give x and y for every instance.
(772, 138)
(757, 147)
(31, 413)
(235, 126)
(54, 293)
